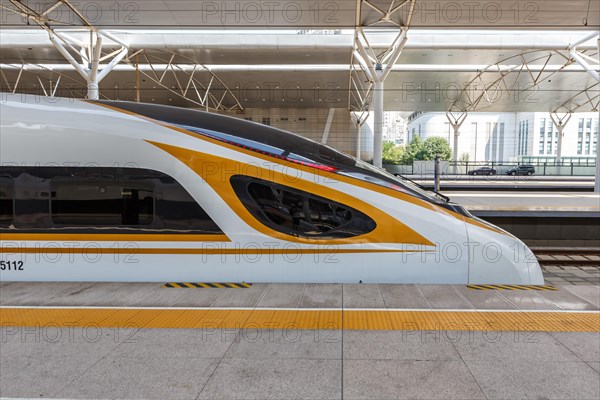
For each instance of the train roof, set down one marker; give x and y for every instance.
(287, 142)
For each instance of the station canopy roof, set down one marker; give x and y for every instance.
(475, 56)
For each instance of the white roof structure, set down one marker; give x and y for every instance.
(301, 53)
(308, 14)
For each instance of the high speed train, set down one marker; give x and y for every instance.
(121, 191)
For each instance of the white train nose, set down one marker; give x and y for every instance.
(500, 258)
(536, 276)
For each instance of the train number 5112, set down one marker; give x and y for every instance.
(11, 265)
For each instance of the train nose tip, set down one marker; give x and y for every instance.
(501, 258)
(536, 277)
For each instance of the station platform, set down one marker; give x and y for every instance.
(503, 182)
(528, 204)
(538, 218)
(299, 341)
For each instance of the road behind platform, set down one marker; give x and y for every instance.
(266, 361)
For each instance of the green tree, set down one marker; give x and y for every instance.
(419, 150)
(435, 146)
(412, 150)
(392, 154)
(464, 157)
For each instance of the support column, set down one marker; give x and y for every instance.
(456, 128)
(93, 91)
(456, 123)
(376, 66)
(559, 122)
(559, 144)
(378, 123)
(91, 55)
(358, 127)
(597, 178)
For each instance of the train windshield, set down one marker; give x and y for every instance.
(360, 170)
(384, 178)
(276, 143)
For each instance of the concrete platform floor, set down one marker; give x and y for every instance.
(303, 296)
(122, 362)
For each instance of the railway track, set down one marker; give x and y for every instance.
(568, 256)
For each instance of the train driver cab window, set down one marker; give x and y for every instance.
(6, 201)
(299, 213)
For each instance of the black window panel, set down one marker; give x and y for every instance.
(96, 202)
(32, 200)
(298, 213)
(111, 199)
(6, 201)
(177, 210)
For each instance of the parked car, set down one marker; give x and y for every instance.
(482, 171)
(521, 170)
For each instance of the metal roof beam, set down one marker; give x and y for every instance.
(583, 59)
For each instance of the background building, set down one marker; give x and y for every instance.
(394, 127)
(511, 136)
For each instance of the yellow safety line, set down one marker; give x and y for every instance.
(302, 319)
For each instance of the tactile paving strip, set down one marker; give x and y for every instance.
(230, 318)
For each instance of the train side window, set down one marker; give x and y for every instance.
(32, 199)
(176, 209)
(6, 201)
(299, 213)
(101, 203)
(92, 198)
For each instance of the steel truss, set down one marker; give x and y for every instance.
(589, 98)
(49, 83)
(104, 47)
(185, 78)
(91, 52)
(519, 75)
(513, 76)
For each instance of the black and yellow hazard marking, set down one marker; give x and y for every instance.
(512, 287)
(207, 285)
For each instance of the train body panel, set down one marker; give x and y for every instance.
(262, 217)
